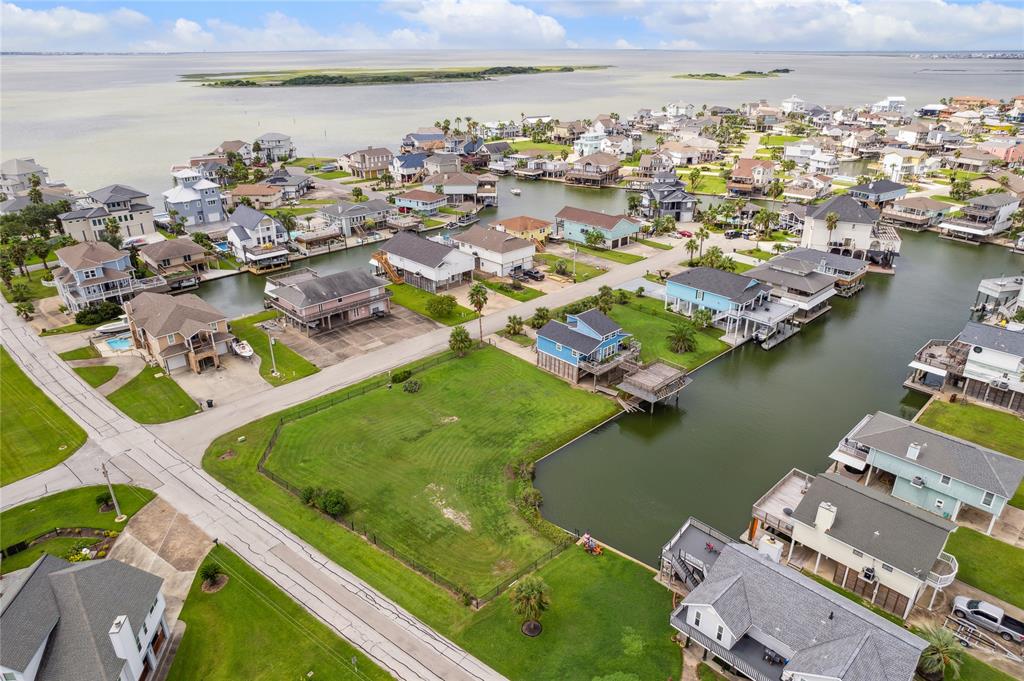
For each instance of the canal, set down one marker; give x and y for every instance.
(751, 415)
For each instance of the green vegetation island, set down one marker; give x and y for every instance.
(370, 76)
(742, 75)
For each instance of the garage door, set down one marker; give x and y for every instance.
(176, 362)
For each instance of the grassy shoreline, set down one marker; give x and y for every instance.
(340, 76)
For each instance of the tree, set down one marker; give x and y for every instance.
(442, 306)
(764, 220)
(287, 220)
(541, 316)
(943, 654)
(35, 194)
(778, 247)
(6, 271)
(112, 232)
(605, 299)
(594, 238)
(831, 222)
(478, 299)
(633, 203)
(459, 341)
(703, 233)
(24, 310)
(210, 572)
(691, 247)
(788, 165)
(702, 318)
(387, 178)
(357, 194)
(682, 337)
(696, 177)
(40, 248)
(514, 325)
(529, 597)
(18, 253)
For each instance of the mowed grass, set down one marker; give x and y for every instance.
(251, 630)
(73, 508)
(85, 352)
(96, 376)
(989, 564)
(620, 257)
(36, 290)
(416, 299)
(974, 669)
(34, 433)
(426, 472)
(57, 546)
(583, 271)
(291, 365)
(153, 397)
(778, 140)
(650, 324)
(522, 294)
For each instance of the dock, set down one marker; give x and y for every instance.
(655, 382)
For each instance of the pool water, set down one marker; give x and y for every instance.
(222, 246)
(123, 343)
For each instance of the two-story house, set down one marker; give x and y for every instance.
(461, 187)
(261, 196)
(983, 217)
(408, 167)
(878, 193)
(16, 175)
(525, 227)
(666, 196)
(916, 213)
(423, 263)
(750, 176)
(932, 470)
(588, 343)
(901, 165)
(87, 221)
(848, 272)
(178, 261)
(273, 146)
(94, 271)
(369, 162)
(101, 620)
(241, 148)
(194, 200)
(496, 251)
(178, 332)
(855, 233)
(314, 303)
(348, 217)
(257, 240)
(420, 201)
(573, 224)
(796, 282)
(594, 170)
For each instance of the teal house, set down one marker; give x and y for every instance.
(932, 470)
(573, 224)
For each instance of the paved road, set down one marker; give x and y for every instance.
(389, 635)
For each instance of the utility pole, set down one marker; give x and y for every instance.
(119, 518)
(273, 360)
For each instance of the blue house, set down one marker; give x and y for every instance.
(573, 224)
(932, 470)
(740, 305)
(587, 343)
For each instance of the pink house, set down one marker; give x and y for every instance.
(313, 303)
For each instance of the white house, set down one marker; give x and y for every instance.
(793, 105)
(856, 233)
(684, 109)
(256, 239)
(823, 163)
(588, 143)
(275, 146)
(423, 263)
(983, 216)
(800, 152)
(889, 104)
(496, 252)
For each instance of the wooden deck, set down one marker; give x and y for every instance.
(787, 493)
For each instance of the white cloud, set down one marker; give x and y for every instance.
(483, 23)
(62, 27)
(623, 44)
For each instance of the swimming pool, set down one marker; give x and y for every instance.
(222, 246)
(118, 344)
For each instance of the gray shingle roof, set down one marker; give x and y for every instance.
(945, 454)
(491, 239)
(171, 248)
(353, 210)
(117, 192)
(247, 217)
(877, 187)
(825, 631)
(330, 287)
(599, 322)
(993, 200)
(847, 208)
(735, 287)
(993, 338)
(28, 612)
(413, 247)
(792, 273)
(879, 524)
(841, 263)
(560, 333)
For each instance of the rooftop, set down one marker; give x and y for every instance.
(492, 240)
(735, 287)
(161, 314)
(315, 290)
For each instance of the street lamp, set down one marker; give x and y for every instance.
(273, 360)
(118, 517)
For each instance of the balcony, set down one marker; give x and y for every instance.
(947, 355)
(775, 507)
(944, 571)
(630, 352)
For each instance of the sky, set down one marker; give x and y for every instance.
(787, 25)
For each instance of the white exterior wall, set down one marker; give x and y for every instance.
(816, 235)
(990, 364)
(709, 623)
(454, 264)
(31, 669)
(500, 264)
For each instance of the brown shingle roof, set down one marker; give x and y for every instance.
(161, 314)
(523, 223)
(492, 240)
(593, 218)
(88, 254)
(255, 190)
(421, 195)
(171, 248)
(745, 166)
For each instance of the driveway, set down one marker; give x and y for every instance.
(235, 379)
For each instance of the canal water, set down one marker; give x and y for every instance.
(751, 415)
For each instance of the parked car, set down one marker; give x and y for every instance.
(732, 234)
(328, 167)
(988, 616)
(685, 233)
(534, 274)
(748, 233)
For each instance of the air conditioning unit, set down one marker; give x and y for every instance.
(917, 481)
(868, 574)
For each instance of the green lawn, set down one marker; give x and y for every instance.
(741, 267)
(757, 253)
(35, 287)
(620, 257)
(960, 174)
(431, 223)
(655, 244)
(646, 319)
(291, 365)
(448, 210)
(305, 161)
(57, 546)
(520, 339)
(521, 294)
(35, 434)
(709, 184)
(415, 299)
(98, 375)
(778, 140)
(73, 508)
(297, 211)
(948, 199)
(68, 328)
(706, 673)
(583, 271)
(84, 352)
(149, 399)
(974, 669)
(251, 630)
(989, 564)
(426, 471)
(333, 175)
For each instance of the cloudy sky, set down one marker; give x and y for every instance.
(186, 25)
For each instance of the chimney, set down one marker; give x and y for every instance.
(122, 638)
(825, 517)
(913, 451)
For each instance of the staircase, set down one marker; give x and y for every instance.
(690, 576)
(539, 244)
(382, 259)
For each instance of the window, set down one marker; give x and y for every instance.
(155, 601)
(887, 567)
(696, 618)
(945, 480)
(720, 633)
(988, 499)
(8, 676)
(859, 554)
(558, 346)
(939, 503)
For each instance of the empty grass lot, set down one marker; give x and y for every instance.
(426, 471)
(620, 257)
(778, 140)
(249, 629)
(522, 294)
(36, 290)
(757, 253)
(84, 352)
(96, 376)
(291, 365)
(989, 564)
(149, 399)
(34, 433)
(650, 324)
(416, 299)
(583, 271)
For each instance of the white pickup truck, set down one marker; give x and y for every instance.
(988, 616)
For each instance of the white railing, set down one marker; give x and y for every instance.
(948, 575)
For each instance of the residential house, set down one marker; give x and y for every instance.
(972, 159)
(573, 224)
(848, 272)
(740, 305)
(586, 343)
(595, 170)
(588, 143)
(441, 163)
(87, 220)
(652, 164)
(257, 240)
(793, 104)
(274, 146)
(546, 167)
(862, 141)
(423, 263)
(1009, 150)
(800, 152)
(930, 110)
(967, 122)
(900, 165)
(709, 148)
(494, 151)
(878, 193)
(293, 186)
(178, 332)
(496, 252)
(680, 109)
(681, 154)
(605, 124)
(348, 217)
(857, 232)
(101, 620)
(768, 621)
(619, 146)
(917, 213)
(314, 303)
(51, 194)
(461, 187)
(262, 196)
(243, 149)
(464, 146)
(823, 163)
(807, 188)
(16, 175)
(567, 132)
(797, 282)
(889, 104)
(940, 138)
(420, 201)
(931, 470)
(369, 162)
(750, 176)
(666, 196)
(426, 140)
(194, 199)
(178, 261)
(407, 168)
(983, 217)
(93, 271)
(792, 217)
(1003, 181)
(525, 227)
(501, 129)
(913, 135)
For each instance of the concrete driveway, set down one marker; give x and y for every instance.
(235, 379)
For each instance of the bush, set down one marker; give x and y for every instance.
(401, 376)
(442, 306)
(540, 317)
(411, 387)
(103, 499)
(333, 503)
(98, 313)
(307, 495)
(209, 572)
(101, 554)
(622, 297)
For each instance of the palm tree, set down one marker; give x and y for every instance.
(40, 248)
(702, 234)
(605, 299)
(682, 337)
(831, 222)
(478, 299)
(530, 599)
(633, 203)
(691, 247)
(514, 325)
(944, 653)
(778, 248)
(541, 316)
(459, 341)
(24, 310)
(695, 179)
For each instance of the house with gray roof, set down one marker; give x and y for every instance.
(856, 232)
(127, 206)
(273, 146)
(768, 621)
(423, 263)
(94, 271)
(797, 282)
(932, 470)
(495, 251)
(848, 272)
(101, 620)
(194, 199)
(315, 303)
(983, 217)
(588, 343)
(257, 239)
(348, 217)
(16, 174)
(179, 261)
(877, 193)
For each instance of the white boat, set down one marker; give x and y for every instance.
(114, 327)
(515, 191)
(242, 348)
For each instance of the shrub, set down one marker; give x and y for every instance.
(514, 326)
(209, 572)
(97, 313)
(541, 316)
(103, 499)
(531, 498)
(411, 386)
(442, 306)
(401, 376)
(621, 297)
(459, 341)
(561, 267)
(307, 495)
(640, 292)
(101, 554)
(332, 502)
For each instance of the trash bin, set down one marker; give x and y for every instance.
(209, 404)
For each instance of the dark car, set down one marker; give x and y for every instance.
(536, 275)
(733, 234)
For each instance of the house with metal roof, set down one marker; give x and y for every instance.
(573, 224)
(408, 167)
(273, 146)
(495, 251)
(768, 621)
(857, 232)
(101, 620)
(314, 303)
(932, 470)
(16, 174)
(87, 219)
(797, 282)
(588, 343)
(420, 201)
(178, 331)
(424, 263)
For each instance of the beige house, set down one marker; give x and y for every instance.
(179, 261)
(178, 331)
(369, 162)
(263, 196)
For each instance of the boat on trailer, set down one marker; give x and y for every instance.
(121, 324)
(242, 348)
